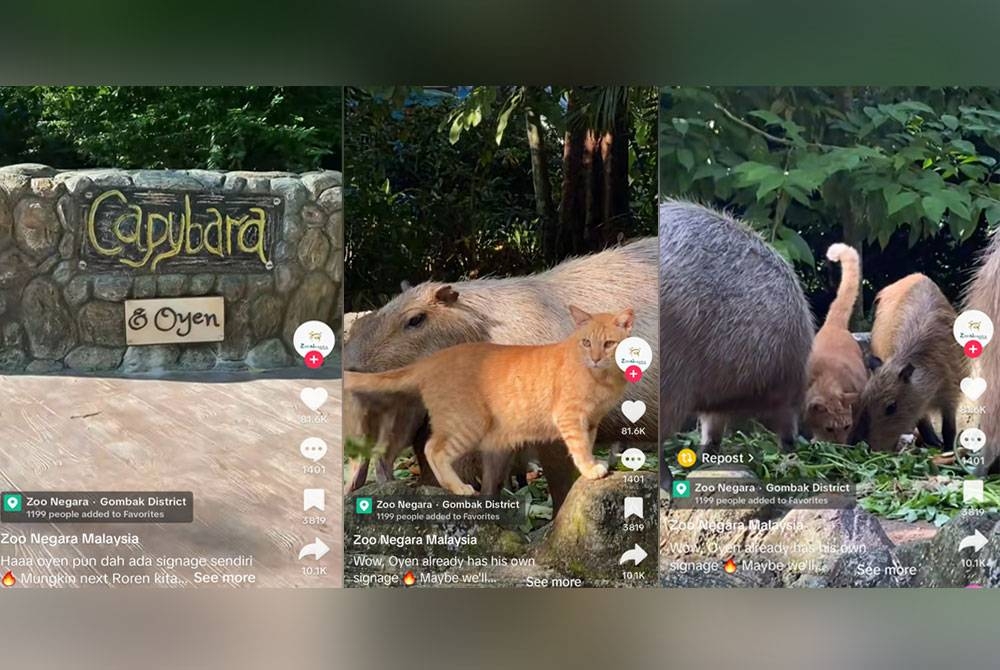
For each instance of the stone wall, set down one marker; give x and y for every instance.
(61, 314)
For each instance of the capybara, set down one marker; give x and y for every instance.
(837, 371)
(391, 425)
(735, 327)
(918, 366)
(528, 309)
(984, 295)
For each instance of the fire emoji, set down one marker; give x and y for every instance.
(409, 579)
(8, 579)
(729, 566)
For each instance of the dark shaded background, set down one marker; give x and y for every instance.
(635, 42)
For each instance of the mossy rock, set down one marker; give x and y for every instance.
(588, 535)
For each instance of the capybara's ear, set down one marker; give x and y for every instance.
(906, 373)
(405, 285)
(579, 316)
(625, 319)
(446, 295)
(873, 362)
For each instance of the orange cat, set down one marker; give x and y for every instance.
(837, 372)
(491, 396)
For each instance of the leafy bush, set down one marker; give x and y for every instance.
(221, 128)
(907, 174)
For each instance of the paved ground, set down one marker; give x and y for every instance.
(234, 444)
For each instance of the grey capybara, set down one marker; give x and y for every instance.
(984, 295)
(735, 327)
(518, 310)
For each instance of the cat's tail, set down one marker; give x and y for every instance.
(850, 284)
(401, 381)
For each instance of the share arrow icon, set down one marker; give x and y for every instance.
(977, 541)
(316, 549)
(636, 555)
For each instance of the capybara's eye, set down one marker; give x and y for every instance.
(890, 409)
(585, 342)
(416, 320)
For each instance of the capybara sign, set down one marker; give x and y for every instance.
(143, 230)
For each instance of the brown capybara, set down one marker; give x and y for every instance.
(528, 309)
(918, 367)
(984, 295)
(735, 327)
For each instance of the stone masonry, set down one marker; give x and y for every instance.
(58, 315)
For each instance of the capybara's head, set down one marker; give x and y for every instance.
(830, 414)
(419, 321)
(599, 334)
(890, 405)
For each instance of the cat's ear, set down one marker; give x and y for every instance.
(579, 316)
(446, 295)
(625, 319)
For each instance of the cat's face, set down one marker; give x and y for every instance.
(598, 335)
(831, 416)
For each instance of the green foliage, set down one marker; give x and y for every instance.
(223, 128)
(440, 182)
(808, 166)
(422, 206)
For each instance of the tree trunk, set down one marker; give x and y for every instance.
(853, 223)
(594, 208)
(539, 170)
(614, 154)
(578, 157)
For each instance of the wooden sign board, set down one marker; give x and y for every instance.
(141, 231)
(174, 320)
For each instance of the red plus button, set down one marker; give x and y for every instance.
(633, 374)
(314, 359)
(973, 349)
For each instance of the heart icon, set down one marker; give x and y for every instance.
(314, 397)
(633, 409)
(973, 387)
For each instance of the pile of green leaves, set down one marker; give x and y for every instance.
(907, 485)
